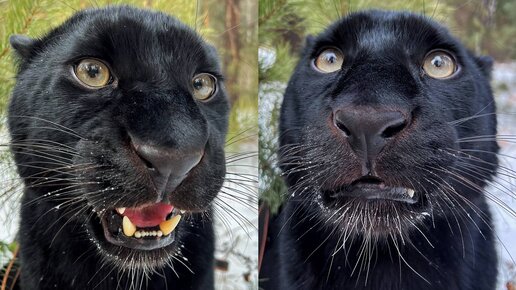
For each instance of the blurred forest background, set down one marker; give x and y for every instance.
(231, 26)
(487, 27)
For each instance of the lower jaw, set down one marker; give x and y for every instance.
(140, 244)
(377, 219)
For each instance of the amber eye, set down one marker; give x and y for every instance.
(329, 60)
(92, 73)
(439, 64)
(203, 86)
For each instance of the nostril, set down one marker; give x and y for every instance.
(141, 154)
(146, 162)
(394, 129)
(339, 119)
(343, 128)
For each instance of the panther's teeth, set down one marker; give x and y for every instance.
(410, 192)
(128, 227)
(169, 225)
(182, 211)
(143, 234)
(120, 210)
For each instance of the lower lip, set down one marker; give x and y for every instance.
(377, 192)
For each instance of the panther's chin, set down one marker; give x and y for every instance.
(374, 208)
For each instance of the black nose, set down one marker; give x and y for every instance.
(369, 130)
(167, 166)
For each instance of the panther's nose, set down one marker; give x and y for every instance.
(368, 131)
(167, 166)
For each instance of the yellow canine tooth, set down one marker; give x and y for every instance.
(168, 226)
(128, 227)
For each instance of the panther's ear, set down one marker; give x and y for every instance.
(485, 63)
(23, 45)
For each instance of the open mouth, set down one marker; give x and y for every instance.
(146, 227)
(372, 188)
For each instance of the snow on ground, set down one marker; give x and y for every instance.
(504, 186)
(237, 230)
(504, 76)
(505, 223)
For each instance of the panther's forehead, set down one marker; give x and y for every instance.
(157, 47)
(379, 31)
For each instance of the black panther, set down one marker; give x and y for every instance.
(386, 145)
(118, 121)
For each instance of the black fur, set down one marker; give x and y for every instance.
(444, 241)
(72, 148)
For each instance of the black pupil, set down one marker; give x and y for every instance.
(331, 57)
(93, 70)
(198, 84)
(438, 61)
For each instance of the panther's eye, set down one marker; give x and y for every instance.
(203, 86)
(439, 64)
(329, 60)
(92, 73)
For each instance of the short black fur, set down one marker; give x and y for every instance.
(322, 240)
(73, 149)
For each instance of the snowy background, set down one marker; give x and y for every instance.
(504, 84)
